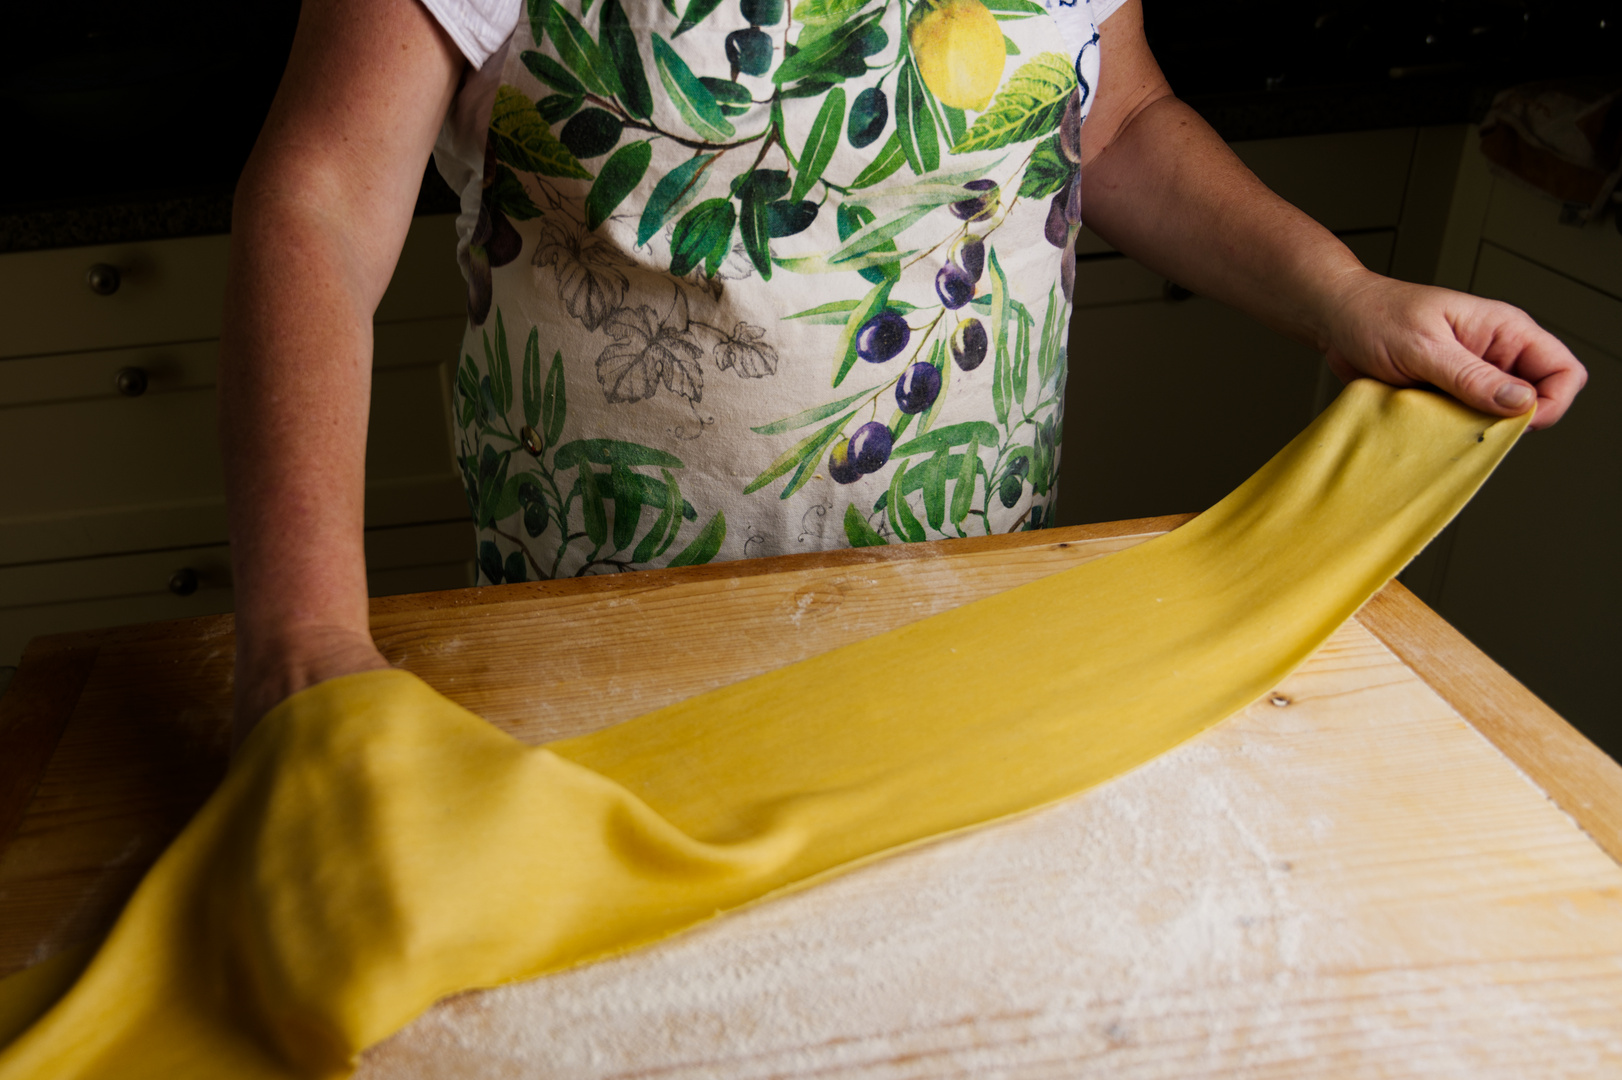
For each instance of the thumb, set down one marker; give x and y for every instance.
(1466, 376)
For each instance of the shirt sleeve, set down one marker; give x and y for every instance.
(1103, 9)
(479, 27)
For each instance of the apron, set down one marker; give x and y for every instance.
(746, 279)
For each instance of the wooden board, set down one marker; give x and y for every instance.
(1353, 881)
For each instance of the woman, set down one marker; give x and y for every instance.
(742, 280)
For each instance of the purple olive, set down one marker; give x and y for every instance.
(882, 337)
(1070, 128)
(969, 253)
(870, 446)
(840, 465)
(982, 206)
(917, 388)
(1072, 200)
(969, 344)
(954, 286)
(1057, 229)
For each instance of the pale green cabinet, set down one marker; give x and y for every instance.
(112, 507)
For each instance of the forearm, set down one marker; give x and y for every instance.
(320, 215)
(294, 390)
(1168, 192)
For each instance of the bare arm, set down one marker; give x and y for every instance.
(320, 215)
(1161, 186)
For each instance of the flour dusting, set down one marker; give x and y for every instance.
(1192, 918)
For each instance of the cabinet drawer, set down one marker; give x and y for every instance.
(94, 472)
(1110, 278)
(1527, 222)
(1347, 182)
(173, 290)
(192, 365)
(1550, 298)
(83, 594)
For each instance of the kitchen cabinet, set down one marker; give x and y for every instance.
(1173, 400)
(1529, 570)
(112, 509)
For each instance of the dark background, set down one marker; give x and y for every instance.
(129, 103)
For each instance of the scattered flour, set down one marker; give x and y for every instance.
(1188, 919)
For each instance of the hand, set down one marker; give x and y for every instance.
(1489, 355)
(266, 674)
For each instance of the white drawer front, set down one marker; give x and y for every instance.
(84, 594)
(173, 290)
(94, 472)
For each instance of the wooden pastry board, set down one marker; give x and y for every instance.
(1398, 864)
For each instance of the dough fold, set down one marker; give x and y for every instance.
(376, 847)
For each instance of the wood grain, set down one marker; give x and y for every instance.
(1350, 883)
(1577, 775)
(147, 740)
(1353, 883)
(34, 710)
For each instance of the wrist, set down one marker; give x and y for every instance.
(1334, 295)
(272, 665)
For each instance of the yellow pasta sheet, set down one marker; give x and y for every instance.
(375, 847)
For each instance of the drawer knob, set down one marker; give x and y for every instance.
(1175, 293)
(183, 582)
(103, 279)
(131, 381)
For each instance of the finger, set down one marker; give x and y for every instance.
(1543, 360)
(1556, 393)
(1455, 370)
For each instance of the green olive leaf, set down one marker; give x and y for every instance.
(915, 122)
(692, 99)
(891, 156)
(822, 48)
(552, 73)
(859, 532)
(580, 53)
(820, 144)
(554, 402)
(755, 230)
(871, 305)
(972, 431)
(705, 546)
(532, 378)
(619, 45)
(627, 504)
(697, 11)
(619, 176)
(591, 506)
(1006, 10)
(807, 449)
(963, 493)
(704, 234)
(671, 195)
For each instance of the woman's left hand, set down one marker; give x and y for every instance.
(1488, 354)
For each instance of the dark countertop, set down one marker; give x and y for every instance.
(164, 216)
(1235, 115)
(1254, 69)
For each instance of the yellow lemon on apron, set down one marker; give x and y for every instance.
(960, 51)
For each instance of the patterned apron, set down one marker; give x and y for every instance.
(748, 279)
